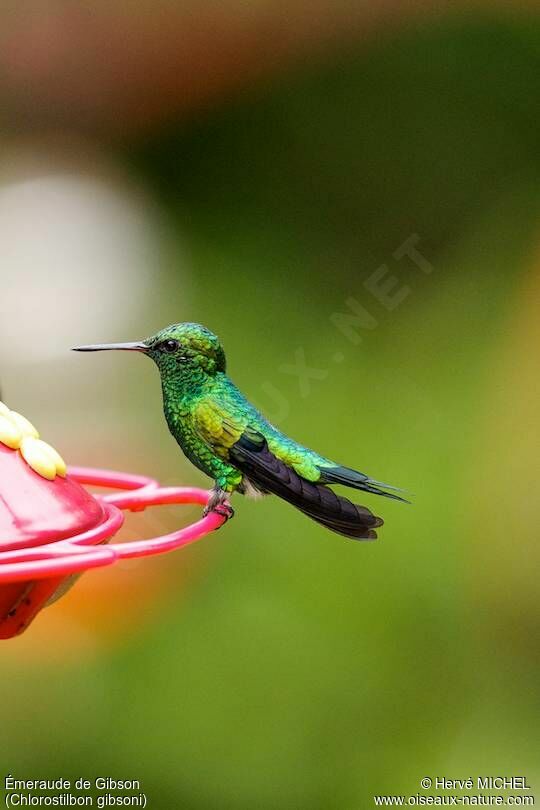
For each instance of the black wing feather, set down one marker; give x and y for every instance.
(357, 480)
(254, 458)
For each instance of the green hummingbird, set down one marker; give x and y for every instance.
(227, 438)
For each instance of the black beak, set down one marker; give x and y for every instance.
(138, 346)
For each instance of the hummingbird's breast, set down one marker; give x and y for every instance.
(180, 419)
(178, 416)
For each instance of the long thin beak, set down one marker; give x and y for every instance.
(138, 346)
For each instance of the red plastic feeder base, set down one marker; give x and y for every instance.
(31, 573)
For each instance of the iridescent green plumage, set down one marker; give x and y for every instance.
(208, 415)
(227, 438)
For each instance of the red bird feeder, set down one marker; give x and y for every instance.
(52, 528)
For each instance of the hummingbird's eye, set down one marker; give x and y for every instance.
(169, 346)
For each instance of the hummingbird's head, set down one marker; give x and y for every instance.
(180, 347)
(187, 346)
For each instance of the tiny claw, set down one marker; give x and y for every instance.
(218, 504)
(223, 509)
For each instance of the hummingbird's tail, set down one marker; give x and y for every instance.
(357, 480)
(337, 513)
(268, 473)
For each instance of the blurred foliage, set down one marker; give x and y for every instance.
(303, 670)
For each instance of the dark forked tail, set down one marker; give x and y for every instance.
(337, 513)
(269, 474)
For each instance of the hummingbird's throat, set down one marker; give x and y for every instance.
(182, 385)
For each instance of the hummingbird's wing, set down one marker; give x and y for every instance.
(217, 426)
(268, 472)
(232, 437)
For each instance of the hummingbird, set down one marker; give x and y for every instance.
(229, 440)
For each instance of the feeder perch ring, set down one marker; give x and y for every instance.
(31, 573)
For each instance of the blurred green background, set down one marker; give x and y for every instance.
(275, 665)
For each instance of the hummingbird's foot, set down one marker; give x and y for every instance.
(219, 504)
(223, 509)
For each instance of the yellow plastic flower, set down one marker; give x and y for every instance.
(17, 433)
